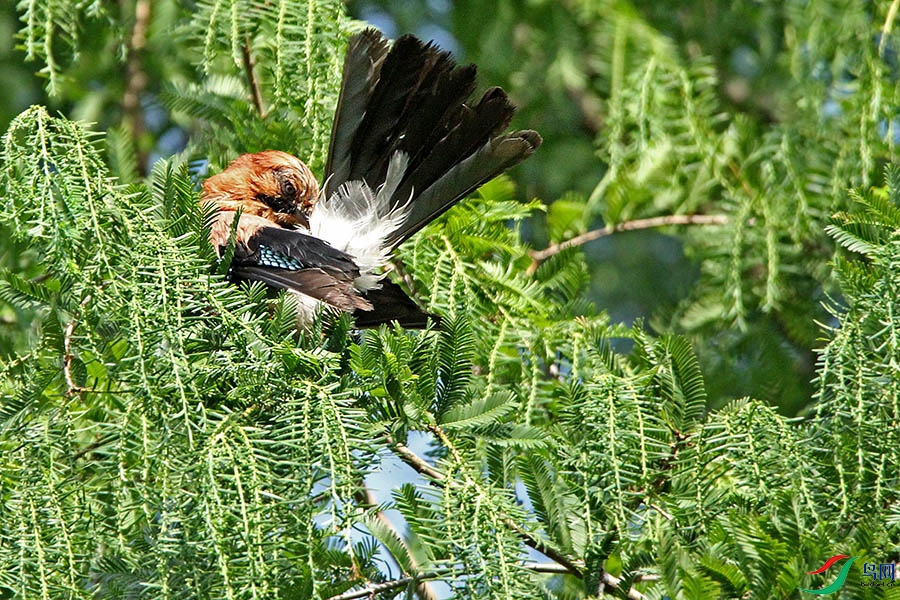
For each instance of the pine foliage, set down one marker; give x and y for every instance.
(165, 434)
(754, 150)
(268, 76)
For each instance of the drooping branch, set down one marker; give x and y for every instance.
(370, 590)
(538, 256)
(366, 498)
(888, 25)
(530, 539)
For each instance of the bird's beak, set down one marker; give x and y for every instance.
(300, 217)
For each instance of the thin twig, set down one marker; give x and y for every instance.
(538, 256)
(548, 568)
(375, 588)
(614, 582)
(736, 171)
(530, 539)
(535, 543)
(419, 464)
(659, 509)
(88, 449)
(442, 436)
(888, 25)
(252, 80)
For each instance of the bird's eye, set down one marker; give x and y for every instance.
(289, 189)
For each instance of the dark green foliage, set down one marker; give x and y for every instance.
(165, 434)
(757, 116)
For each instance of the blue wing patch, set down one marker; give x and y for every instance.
(271, 258)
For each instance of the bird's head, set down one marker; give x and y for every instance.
(271, 184)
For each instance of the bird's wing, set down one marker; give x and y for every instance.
(322, 284)
(289, 259)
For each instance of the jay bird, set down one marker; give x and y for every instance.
(406, 145)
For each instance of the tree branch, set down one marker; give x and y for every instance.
(538, 256)
(375, 588)
(535, 543)
(531, 540)
(252, 80)
(563, 564)
(659, 509)
(888, 25)
(549, 568)
(419, 464)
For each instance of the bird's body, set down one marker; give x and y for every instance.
(406, 146)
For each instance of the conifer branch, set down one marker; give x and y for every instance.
(888, 25)
(736, 171)
(563, 564)
(530, 539)
(419, 464)
(538, 256)
(442, 436)
(393, 584)
(659, 509)
(252, 80)
(548, 568)
(536, 543)
(375, 588)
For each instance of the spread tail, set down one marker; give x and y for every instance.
(413, 99)
(407, 144)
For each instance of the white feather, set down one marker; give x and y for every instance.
(306, 308)
(358, 221)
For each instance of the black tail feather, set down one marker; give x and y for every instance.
(472, 127)
(362, 66)
(415, 99)
(401, 74)
(432, 112)
(390, 303)
(493, 158)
